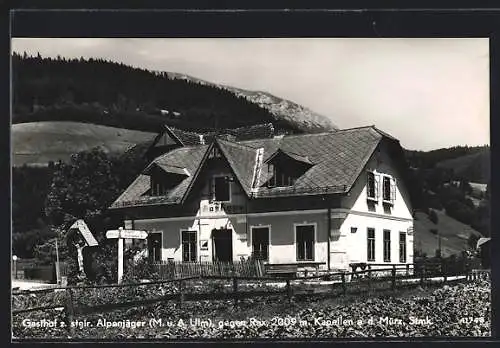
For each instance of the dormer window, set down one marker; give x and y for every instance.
(158, 187)
(164, 178)
(284, 168)
(279, 177)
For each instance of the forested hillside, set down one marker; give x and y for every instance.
(112, 94)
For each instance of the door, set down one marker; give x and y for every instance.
(222, 245)
(154, 246)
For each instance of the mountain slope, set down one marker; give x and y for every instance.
(475, 167)
(454, 234)
(107, 93)
(40, 142)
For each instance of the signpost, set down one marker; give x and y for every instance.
(122, 234)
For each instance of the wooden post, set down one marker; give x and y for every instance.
(181, 293)
(393, 285)
(369, 278)
(344, 285)
(70, 310)
(58, 270)
(423, 274)
(407, 269)
(235, 290)
(288, 290)
(120, 260)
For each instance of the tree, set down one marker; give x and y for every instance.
(433, 216)
(84, 188)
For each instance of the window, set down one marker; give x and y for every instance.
(220, 190)
(371, 190)
(387, 246)
(371, 244)
(154, 246)
(189, 246)
(389, 190)
(304, 235)
(260, 242)
(158, 187)
(278, 177)
(402, 247)
(354, 229)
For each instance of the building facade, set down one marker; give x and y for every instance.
(326, 200)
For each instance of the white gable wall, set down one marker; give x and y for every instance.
(361, 215)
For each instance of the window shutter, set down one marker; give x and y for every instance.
(377, 185)
(393, 189)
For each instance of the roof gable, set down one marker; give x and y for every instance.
(336, 158)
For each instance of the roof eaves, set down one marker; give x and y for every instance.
(196, 173)
(361, 167)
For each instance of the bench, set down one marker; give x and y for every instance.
(281, 269)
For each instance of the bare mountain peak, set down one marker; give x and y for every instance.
(281, 108)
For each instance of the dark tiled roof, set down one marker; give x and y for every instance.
(337, 157)
(259, 131)
(184, 157)
(187, 138)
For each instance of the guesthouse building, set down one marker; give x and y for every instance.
(326, 200)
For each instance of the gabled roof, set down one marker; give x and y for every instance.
(184, 157)
(336, 158)
(167, 168)
(289, 154)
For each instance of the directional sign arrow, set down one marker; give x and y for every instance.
(133, 234)
(112, 234)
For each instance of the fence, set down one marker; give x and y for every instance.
(176, 269)
(237, 288)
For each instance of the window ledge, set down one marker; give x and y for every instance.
(387, 202)
(372, 199)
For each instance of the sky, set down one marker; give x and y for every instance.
(428, 93)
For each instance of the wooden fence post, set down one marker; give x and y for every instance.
(423, 275)
(288, 290)
(407, 269)
(70, 310)
(181, 293)
(235, 290)
(369, 278)
(393, 285)
(344, 285)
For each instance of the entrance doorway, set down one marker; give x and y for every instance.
(222, 244)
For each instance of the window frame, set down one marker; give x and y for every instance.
(195, 245)
(252, 227)
(375, 196)
(387, 245)
(405, 254)
(213, 194)
(392, 189)
(315, 226)
(286, 180)
(369, 246)
(161, 245)
(156, 183)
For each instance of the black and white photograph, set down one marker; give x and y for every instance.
(250, 188)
